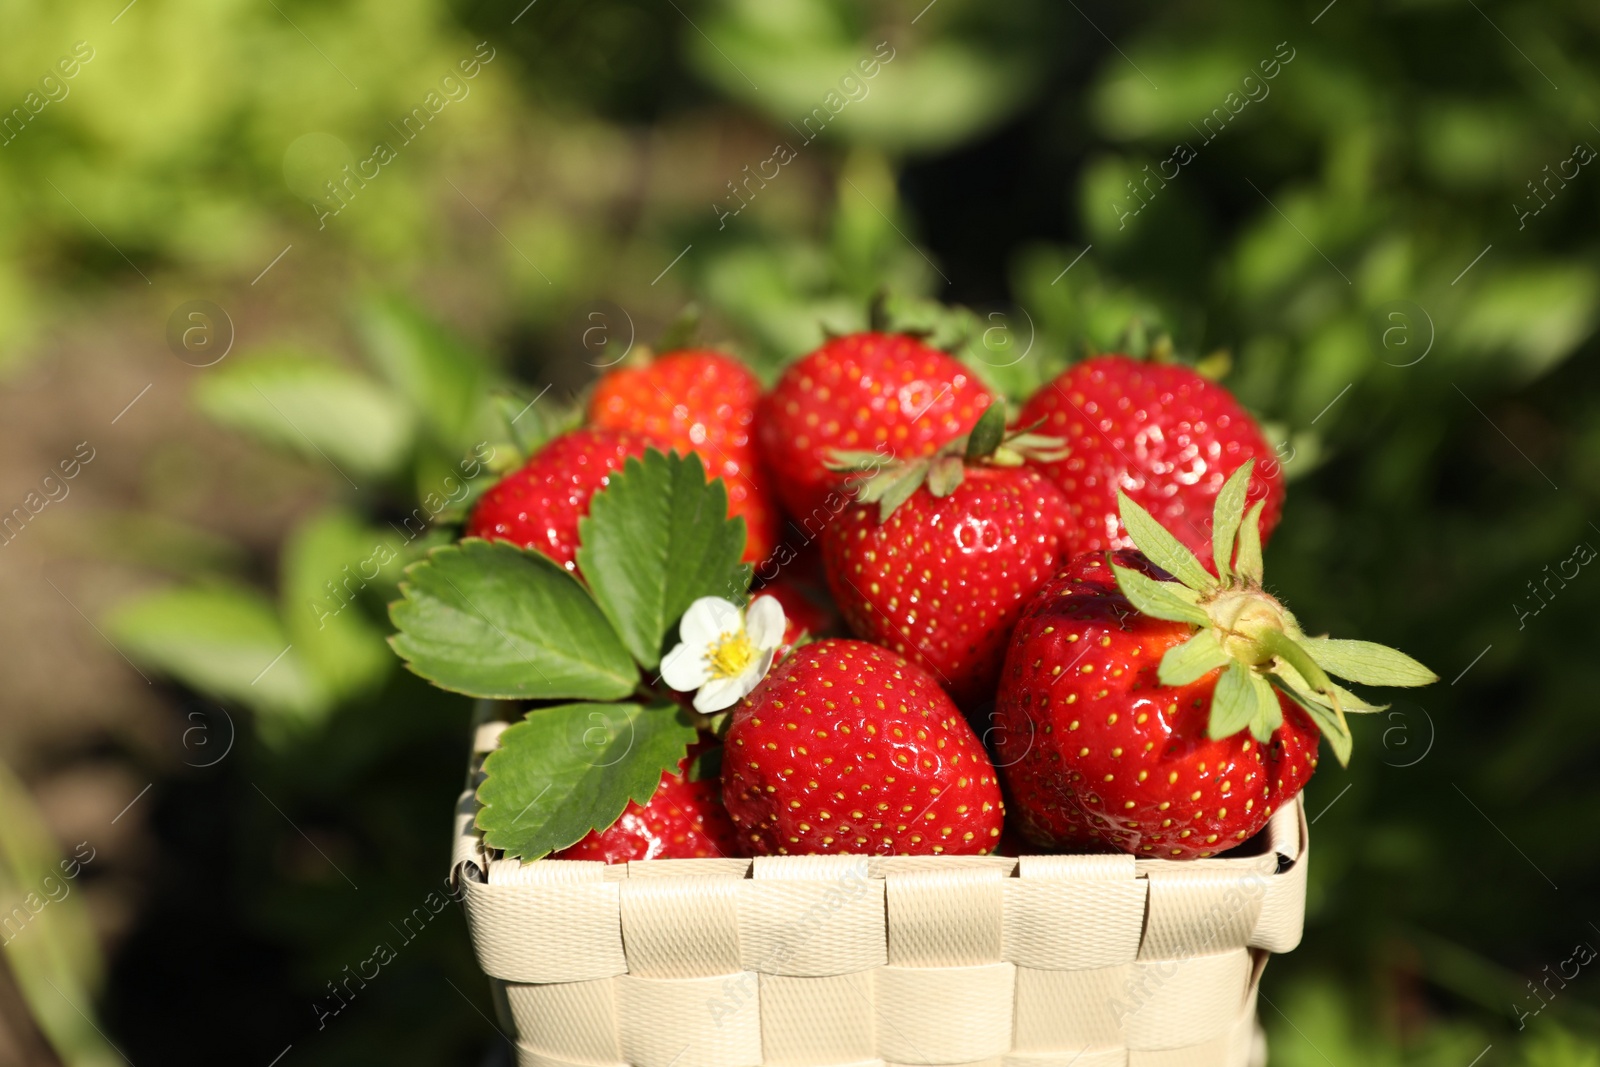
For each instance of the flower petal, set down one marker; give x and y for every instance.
(721, 693)
(763, 663)
(685, 667)
(707, 619)
(764, 622)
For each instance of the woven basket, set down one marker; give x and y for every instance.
(807, 961)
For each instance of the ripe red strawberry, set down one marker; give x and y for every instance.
(1158, 432)
(704, 402)
(1165, 718)
(863, 392)
(539, 505)
(683, 820)
(1143, 772)
(942, 577)
(847, 748)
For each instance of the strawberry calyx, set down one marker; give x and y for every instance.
(1246, 633)
(890, 483)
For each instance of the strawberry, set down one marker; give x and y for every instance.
(864, 391)
(1159, 432)
(683, 820)
(1171, 718)
(539, 505)
(941, 566)
(704, 402)
(844, 747)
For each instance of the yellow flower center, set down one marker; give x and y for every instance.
(730, 654)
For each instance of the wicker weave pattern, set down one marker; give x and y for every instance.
(832, 961)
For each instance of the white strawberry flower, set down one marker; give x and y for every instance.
(723, 652)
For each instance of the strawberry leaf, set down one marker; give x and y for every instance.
(1159, 600)
(988, 432)
(657, 537)
(1194, 659)
(1286, 648)
(1269, 713)
(843, 459)
(1330, 721)
(1366, 662)
(312, 406)
(1161, 548)
(892, 487)
(1226, 516)
(491, 620)
(1233, 702)
(944, 475)
(1351, 704)
(217, 639)
(707, 766)
(1247, 561)
(566, 770)
(530, 423)
(443, 377)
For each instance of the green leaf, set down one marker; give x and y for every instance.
(333, 568)
(1269, 713)
(530, 420)
(1366, 662)
(564, 771)
(53, 952)
(707, 766)
(227, 642)
(657, 537)
(491, 620)
(988, 432)
(1351, 704)
(443, 378)
(945, 474)
(1243, 699)
(313, 406)
(1161, 548)
(1194, 659)
(1038, 447)
(1159, 600)
(151, 541)
(1329, 720)
(1348, 703)
(855, 460)
(1287, 649)
(1233, 702)
(891, 488)
(1226, 516)
(1247, 563)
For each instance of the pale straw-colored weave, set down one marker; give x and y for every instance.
(828, 961)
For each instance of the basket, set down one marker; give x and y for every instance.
(824, 961)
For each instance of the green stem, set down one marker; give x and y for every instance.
(1283, 646)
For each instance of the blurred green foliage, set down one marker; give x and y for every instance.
(1335, 204)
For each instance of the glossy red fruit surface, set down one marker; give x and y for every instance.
(847, 748)
(683, 820)
(1094, 748)
(862, 392)
(943, 580)
(539, 505)
(702, 402)
(1159, 432)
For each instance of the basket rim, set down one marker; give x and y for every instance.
(1285, 836)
